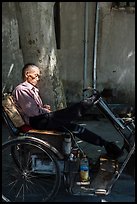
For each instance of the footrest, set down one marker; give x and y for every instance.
(108, 169)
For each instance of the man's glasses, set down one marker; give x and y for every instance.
(35, 76)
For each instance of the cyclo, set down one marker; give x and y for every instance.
(34, 162)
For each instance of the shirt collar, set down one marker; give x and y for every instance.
(30, 86)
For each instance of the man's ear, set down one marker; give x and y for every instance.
(26, 74)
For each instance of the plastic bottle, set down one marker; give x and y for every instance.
(74, 160)
(84, 169)
(75, 153)
(67, 145)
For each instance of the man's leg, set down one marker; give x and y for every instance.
(72, 112)
(92, 138)
(59, 118)
(56, 119)
(79, 131)
(85, 134)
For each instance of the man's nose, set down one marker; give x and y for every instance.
(37, 78)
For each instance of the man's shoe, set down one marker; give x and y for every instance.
(90, 100)
(113, 150)
(95, 95)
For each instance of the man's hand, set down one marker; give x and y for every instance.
(47, 107)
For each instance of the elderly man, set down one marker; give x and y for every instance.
(39, 116)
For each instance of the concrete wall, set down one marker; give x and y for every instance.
(115, 50)
(116, 53)
(12, 58)
(28, 35)
(71, 54)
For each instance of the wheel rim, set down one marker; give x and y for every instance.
(22, 181)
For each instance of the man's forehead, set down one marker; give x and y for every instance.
(34, 69)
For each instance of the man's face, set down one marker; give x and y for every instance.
(33, 75)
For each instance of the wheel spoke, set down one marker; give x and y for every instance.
(25, 178)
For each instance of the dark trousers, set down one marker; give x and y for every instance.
(61, 120)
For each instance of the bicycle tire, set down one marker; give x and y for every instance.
(21, 180)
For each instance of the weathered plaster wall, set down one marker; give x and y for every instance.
(71, 54)
(12, 58)
(116, 53)
(28, 35)
(115, 50)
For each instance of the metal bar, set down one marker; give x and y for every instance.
(102, 106)
(95, 46)
(85, 47)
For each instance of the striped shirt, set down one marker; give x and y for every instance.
(28, 101)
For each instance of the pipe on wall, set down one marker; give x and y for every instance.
(85, 46)
(94, 80)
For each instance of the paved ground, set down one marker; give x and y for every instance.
(124, 188)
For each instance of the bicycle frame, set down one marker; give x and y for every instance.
(125, 131)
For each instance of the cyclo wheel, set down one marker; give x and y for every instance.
(30, 172)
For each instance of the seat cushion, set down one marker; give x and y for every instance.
(25, 128)
(11, 110)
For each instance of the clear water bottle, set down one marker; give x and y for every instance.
(84, 169)
(74, 160)
(75, 153)
(67, 145)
